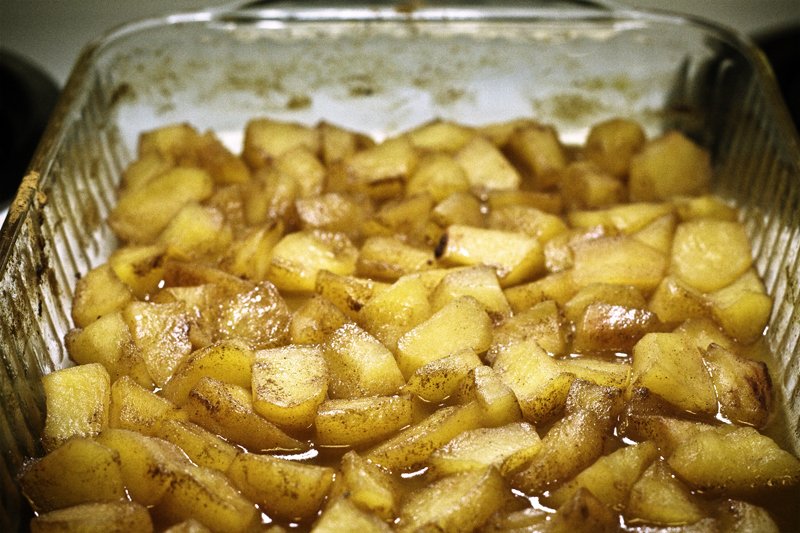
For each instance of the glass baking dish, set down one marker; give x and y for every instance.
(380, 71)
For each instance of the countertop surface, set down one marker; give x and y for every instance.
(49, 34)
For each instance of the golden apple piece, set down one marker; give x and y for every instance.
(148, 464)
(525, 219)
(515, 256)
(644, 418)
(743, 386)
(207, 496)
(343, 515)
(496, 400)
(500, 132)
(626, 218)
(389, 258)
(537, 150)
(460, 207)
(414, 445)
(349, 293)
(369, 487)
(108, 517)
(160, 333)
(514, 519)
(607, 293)
(361, 421)
(702, 332)
(288, 384)
(229, 200)
(584, 513)
(227, 361)
(141, 267)
(611, 144)
(136, 408)
(203, 447)
(438, 175)
(270, 196)
(734, 459)
(585, 185)
(505, 448)
(359, 365)
(224, 166)
(460, 324)
(143, 169)
(658, 497)
(108, 341)
(393, 160)
(315, 320)
(258, 317)
(558, 253)
(304, 167)
(227, 410)
(79, 471)
(570, 445)
(249, 256)
(558, 286)
(77, 401)
(704, 206)
(437, 380)
(299, 257)
(658, 234)
(441, 136)
(265, 140)
(284, 489)
(710, 254)
(485, 165)
(542, 323)
(610, 477)
(202, 304)
(173, 141)
(612, 328)
(188, 274)
(337, 143)
(396, 310)
(547, 201)
(460, 502)
(407, 215)
(604, 401)
(540, 385)
(618, 260)
(140, 215)
(479, 282)
(333, 211)
(98, 293)
(603, 372)
(742, 308)
(196, 232)
(671, 165)
(669, 365)
(674, 302)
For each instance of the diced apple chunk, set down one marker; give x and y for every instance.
(461, 502)
(288, 384)
(710, 254)
(738, 459)
(515, 256)
(669, 365)
(461, 324)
